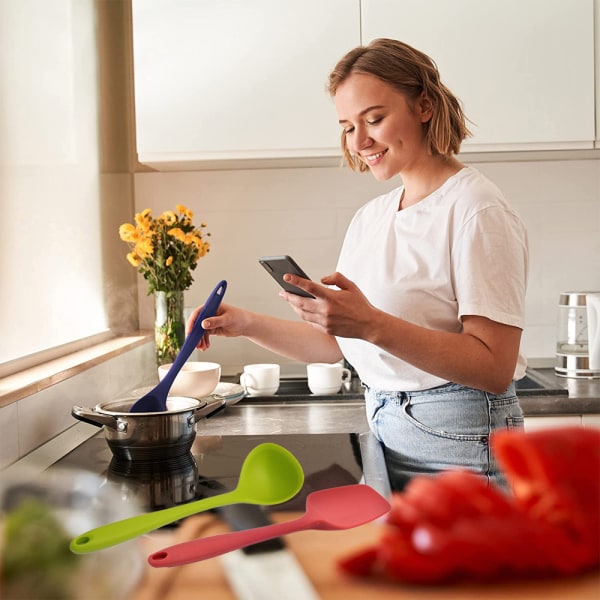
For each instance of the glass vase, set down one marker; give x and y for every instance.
(169, 325)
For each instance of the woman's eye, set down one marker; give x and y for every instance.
(374, 121)
(348, 130)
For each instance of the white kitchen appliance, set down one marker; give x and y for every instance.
(578, 335)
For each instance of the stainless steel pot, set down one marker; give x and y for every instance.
(147, 436)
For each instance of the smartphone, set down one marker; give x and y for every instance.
(278, 266)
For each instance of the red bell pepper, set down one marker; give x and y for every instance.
(455, 525)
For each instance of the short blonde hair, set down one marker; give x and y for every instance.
(413, 73)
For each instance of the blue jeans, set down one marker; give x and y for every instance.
(447, 427)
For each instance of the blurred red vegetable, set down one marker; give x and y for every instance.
(455, 526)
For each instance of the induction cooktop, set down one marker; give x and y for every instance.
(213, 466)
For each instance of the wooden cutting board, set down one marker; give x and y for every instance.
(317, 552)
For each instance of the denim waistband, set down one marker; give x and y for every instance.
(446, 388)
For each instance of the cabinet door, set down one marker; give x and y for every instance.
(236, 79)
(536, 423)
(591, 420)
(524, 69)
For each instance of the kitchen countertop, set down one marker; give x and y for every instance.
(317, 552)
(583, 396)
(259, 417)
(344, 412)
(340, 413)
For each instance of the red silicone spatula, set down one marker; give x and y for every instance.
(335, 508)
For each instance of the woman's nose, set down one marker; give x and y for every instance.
(362, 139)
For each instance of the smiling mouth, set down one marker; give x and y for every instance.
(374, 158)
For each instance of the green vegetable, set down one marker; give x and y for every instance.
(36, 560)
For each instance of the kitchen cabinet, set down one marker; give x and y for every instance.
(590, 420)
(245, 81)
(537, 423)
(236, 79)
(524, 69)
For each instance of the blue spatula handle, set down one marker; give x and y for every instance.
(208, 310)
(191, 341)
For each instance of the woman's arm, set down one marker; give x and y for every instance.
(482, 356)
(297, 340)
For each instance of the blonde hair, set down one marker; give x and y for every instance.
(412, 73)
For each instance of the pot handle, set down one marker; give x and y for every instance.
(211, 409)
(93, 418)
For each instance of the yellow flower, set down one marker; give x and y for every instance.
(134, 259)
(169, 217)
(144, 219)
(202, 250)
(128, 233)
(165, 250)
(144, 248)
(177, 233)
(194, 239)
(188, 215)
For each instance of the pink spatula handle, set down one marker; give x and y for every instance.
(203, 548)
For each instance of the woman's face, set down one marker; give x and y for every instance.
(382, 129)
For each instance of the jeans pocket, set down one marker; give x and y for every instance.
(515, 422)
(506, 413)
(448, 430)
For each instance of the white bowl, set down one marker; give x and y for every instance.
(195, 380)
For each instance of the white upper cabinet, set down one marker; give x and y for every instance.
(223, 80)
(237, 79)
(523, 69)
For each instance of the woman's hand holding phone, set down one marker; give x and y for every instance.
(278, 266)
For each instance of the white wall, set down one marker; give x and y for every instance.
(304, 212)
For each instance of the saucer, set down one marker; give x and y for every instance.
(232, 392)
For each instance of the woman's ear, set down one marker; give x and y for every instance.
(425, 107)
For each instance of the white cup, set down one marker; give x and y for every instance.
(260, 379)
(324, 378)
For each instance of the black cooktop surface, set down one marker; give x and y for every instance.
(213, 466)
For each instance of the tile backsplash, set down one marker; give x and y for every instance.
(304, 212)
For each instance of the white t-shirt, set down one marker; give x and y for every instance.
(462, 250)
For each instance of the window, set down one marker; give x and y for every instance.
(51, 269)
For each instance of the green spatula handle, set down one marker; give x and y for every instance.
(127, 529)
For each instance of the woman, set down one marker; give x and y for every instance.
(427, 303)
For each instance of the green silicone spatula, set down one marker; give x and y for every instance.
(270, 474)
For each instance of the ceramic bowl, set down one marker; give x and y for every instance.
(195, 380)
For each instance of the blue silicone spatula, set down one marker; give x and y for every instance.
(156, 399)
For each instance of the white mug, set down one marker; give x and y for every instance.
(260, 379)
(325, 378)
